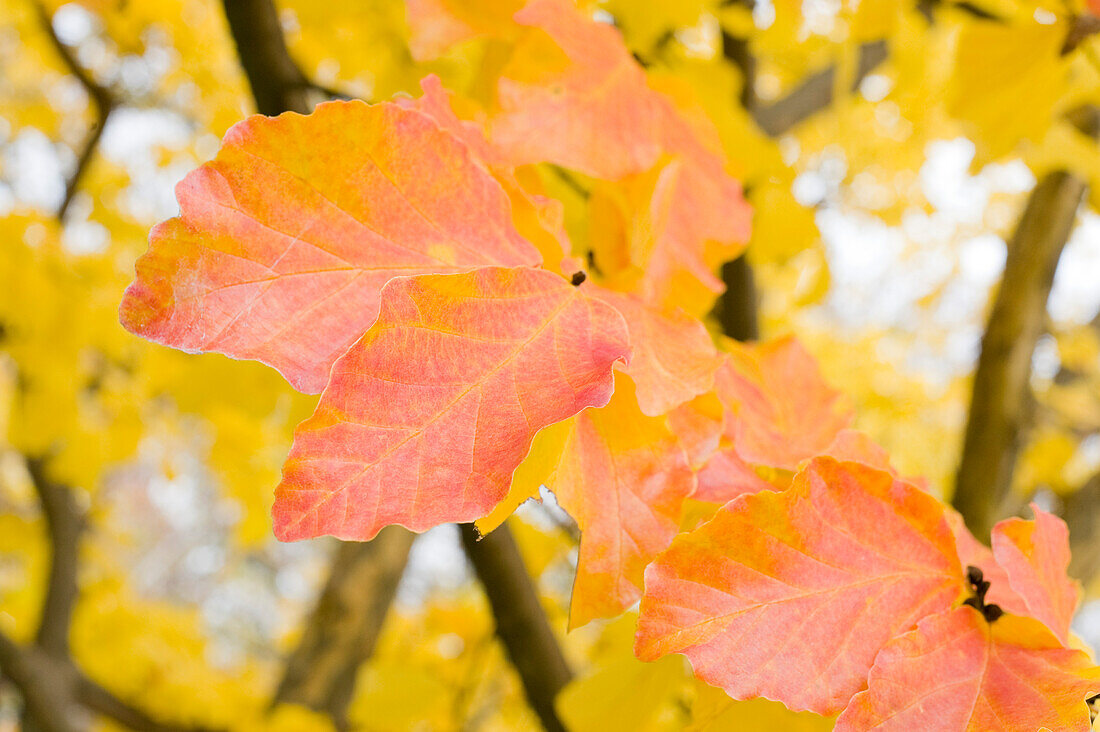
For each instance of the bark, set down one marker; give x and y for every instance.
(1000, 404)
(736, 309)
(101, 701)
(277, 84)
(343, 628)
(521, 623)
(1081, 515)
(46, 685)
(65, 524)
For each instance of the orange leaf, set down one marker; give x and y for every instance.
(726, 476)
(590, 111)
(623, 477)
(674, 359)
(1035, 557)
(955, 671)
(436, 25)
(538, 218)
(856, 446)
(426, 417)
(575, 96)
(285, 239)
(697, 219)
(781, 411)
(790, 595)
(698, 424)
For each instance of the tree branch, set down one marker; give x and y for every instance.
(999, 405)
(103, 702)
(65, 524)
(736, 309)
(815, 93)
(521, 623)
(1080, 514)
(58, 697)
(342, 630)
(343, 627)
(277, 84)
(102, 99)
(46, 684)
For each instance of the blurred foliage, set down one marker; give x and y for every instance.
(880, 223)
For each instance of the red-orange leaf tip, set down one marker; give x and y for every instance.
(285, 239)
(1035, 558)
(426, 417)
(957, 673)
(789, 595)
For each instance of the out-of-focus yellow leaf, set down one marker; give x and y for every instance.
(714, 711)
(1006, 83)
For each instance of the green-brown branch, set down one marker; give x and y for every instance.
(1000, 404)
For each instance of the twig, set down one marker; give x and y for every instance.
(999, 406)
(521, 622)
(736, 308)
(101, 97)
(342, 629)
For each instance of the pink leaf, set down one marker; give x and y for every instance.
(623, 476)
(426, 417)
(1035, 557)
(791, 595)
(285, 239)
(674, 358)
(956, 672)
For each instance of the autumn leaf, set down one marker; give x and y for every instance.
(698, 424)
(624, 695)
(790, 595)
(286, 238)
(714, 711)
(674, 359)
(695, 220)
(956, 671)
(780, 409)
(779, 412)
(534, 472)
(623, 477)
(573, 95)
(426, 417)
(1026, 569)
(858, 447)
(1007, 81)
(436, 25)
(1035, 556)
(537, 217)
(726, 476)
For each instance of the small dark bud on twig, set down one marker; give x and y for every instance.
(974, 575)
